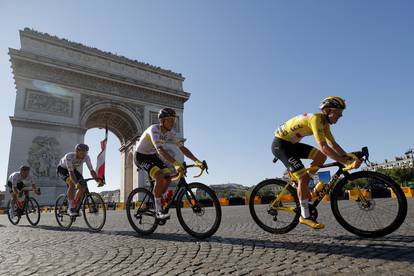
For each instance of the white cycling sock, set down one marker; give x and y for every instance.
(158, 204)
(304, 208)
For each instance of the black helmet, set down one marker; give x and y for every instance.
(24, 168)
(82, 147)
(166, 112)
(333, 102)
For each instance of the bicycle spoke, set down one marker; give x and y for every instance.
(281, 218)
(199, 212)
(140, 208)
(370, 215)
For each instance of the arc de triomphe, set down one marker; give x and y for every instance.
(65, 88)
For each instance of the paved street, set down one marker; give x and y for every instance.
(239, 247)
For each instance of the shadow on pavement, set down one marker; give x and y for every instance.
(381, 251)
(377, 249)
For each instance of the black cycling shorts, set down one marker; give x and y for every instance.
(151, 163)
(290, 155)
(64, 174)
(19, 186)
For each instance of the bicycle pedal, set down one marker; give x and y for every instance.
(161, 221)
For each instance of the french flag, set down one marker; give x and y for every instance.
(100, 163)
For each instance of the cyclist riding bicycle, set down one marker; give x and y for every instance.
(68, 170)
(17, 181)
(150, 148)
(287, 148)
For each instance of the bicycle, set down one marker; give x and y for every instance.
(197, 206)
(93, 210)
(375, 214)
(29, 206)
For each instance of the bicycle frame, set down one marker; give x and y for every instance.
(182, 187)
(85, 194)
(327, 189)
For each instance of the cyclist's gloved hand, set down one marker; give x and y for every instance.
(178, 167)
(101, 183)
(77, 186)
(200, 164)
(352, 156)
(353, 162)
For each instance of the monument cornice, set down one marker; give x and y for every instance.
(28, 68)
(31, 123)
(67, 66)
(95, 51)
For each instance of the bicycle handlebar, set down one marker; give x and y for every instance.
(363, 155)
(181, 174)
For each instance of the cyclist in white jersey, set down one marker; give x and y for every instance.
(68, 170)
(17, 181)
(151, 145)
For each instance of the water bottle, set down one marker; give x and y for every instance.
(167, 198)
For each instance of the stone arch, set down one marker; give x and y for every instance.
(126, 125)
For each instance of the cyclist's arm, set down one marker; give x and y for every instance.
(32, 182)
(337, 148)
(90, 168)
(188, 153)
(165, 154)
(13, 181)
(330, 152)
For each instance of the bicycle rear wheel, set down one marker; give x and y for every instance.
(33, 211)
(94, 211)
(199, 211)
(281, 218)
(16, 218)
(370, 211)
(61, 212)
(140, 209)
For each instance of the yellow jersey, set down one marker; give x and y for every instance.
(305, 125)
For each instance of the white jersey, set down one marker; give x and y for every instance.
(70, 162)
(16, 177)
(152, 139)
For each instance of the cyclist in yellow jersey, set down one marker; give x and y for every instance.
(287, 148)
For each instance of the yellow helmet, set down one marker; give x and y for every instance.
(333, 102)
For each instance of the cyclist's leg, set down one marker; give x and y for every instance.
(290, 154)
(158, 171)
(13, 193)
(64, 174)
(80, 191)
(318, 159)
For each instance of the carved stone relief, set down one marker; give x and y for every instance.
(44, 156)
(44, 102)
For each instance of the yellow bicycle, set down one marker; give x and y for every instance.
(367, 204)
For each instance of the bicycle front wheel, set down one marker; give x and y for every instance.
(94, 211)
(199, 211)
(376, 207)
(140, 209)
(14, 218)
(273, 213)
(61, 212)
(33, 211)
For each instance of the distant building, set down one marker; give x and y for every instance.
(405, 161)
(111, 196)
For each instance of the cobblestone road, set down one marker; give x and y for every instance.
(239, 247)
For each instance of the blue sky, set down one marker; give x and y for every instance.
(250, 65)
